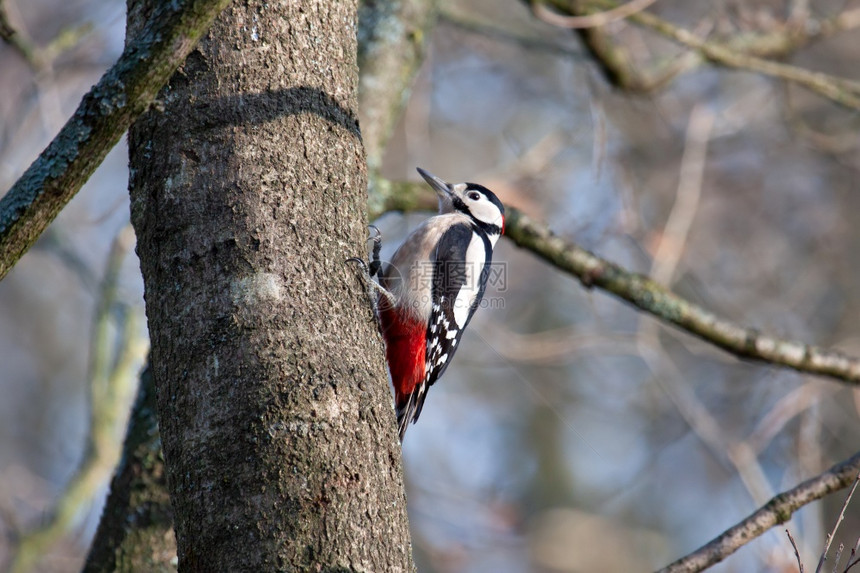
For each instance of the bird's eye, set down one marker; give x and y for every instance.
(474, 196)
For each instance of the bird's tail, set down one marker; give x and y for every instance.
(409, 408)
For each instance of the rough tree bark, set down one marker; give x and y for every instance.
(248, 193)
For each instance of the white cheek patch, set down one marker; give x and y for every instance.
(486, 212)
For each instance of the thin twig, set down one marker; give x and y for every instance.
(733, 455)
(784, 410)
(680, 219)
(500, 34)
(541, 12)
(617, 62)
(796, 552)
(778, 510)
(836, 526)
(854, 551)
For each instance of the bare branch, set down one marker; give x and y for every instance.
(796, 552)
(104, 114)
(39, 58)
(839, 90)
(777, 510)
(616, 62)
(649, 296)
(665, 373)
(798, 31)
(736, 53)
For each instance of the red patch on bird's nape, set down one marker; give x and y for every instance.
(503, 224)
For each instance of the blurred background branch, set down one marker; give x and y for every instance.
(742, 52)
(593, 20)
(116, 351)
(392, 35)
(40, 58)
(12, 37)
(136, 529)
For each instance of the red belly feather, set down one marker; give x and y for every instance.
(404, 349)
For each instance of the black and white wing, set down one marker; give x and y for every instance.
(461, 265)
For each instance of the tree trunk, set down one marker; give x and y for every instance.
(248, 193)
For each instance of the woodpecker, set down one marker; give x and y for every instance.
(432, 286)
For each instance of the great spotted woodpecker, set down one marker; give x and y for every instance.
(430, 289)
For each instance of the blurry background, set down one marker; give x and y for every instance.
(572, 433)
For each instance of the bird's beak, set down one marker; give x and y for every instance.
(442, 189)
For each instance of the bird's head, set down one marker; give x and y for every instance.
(471, 199)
